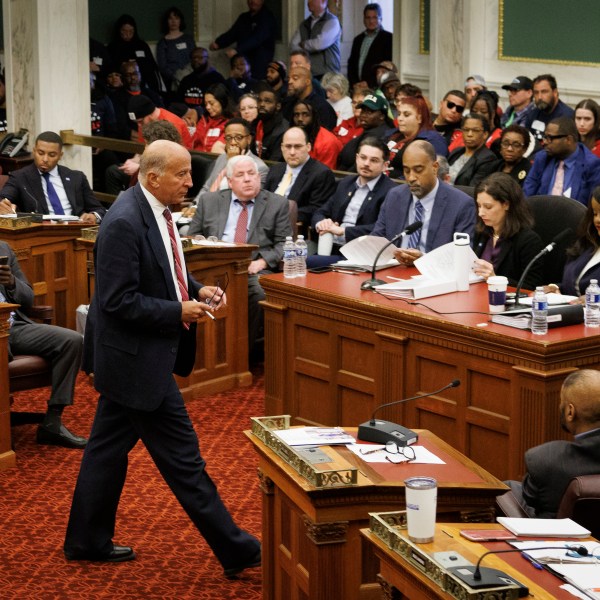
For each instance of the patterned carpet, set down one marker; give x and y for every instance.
(173, 561)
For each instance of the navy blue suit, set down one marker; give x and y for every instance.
(586, 175)
(453, 211)
(574, 269)
(134, 342)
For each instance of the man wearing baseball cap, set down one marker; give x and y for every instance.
(520, 99)
(375, 123)
(276, 78)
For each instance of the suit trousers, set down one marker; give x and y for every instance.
(61, 347)
(172, 443)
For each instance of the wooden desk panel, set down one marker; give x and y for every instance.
(333, 353)
(311, 537)
(7, 456)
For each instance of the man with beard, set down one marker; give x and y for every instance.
(441, 208)
(550, 466)
(548, 106)
(276, 78)
(300, 88)
(192, 87)
(565, 167)
(271, 125)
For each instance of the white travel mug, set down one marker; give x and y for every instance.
(421, 503)
(497, 285)
(462, 263)
(325, 244)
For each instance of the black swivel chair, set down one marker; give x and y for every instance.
(552, 215)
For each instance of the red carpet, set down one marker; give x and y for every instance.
(173, 561)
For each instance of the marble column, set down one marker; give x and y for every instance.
(446, 44)
(47, 70)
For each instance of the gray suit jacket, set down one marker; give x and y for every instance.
(269, 224)
(221, 163)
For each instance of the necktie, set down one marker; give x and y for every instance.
(216, 184)
(241, 229)
(415, 238)
(53, 196)
(176, 260)
(559, 180)
(285, 183)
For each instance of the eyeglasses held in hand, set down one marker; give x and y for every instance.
(395, 454)
(213, 301)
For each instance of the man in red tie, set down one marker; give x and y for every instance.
(247, 214)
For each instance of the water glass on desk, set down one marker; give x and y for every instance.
(421, 504)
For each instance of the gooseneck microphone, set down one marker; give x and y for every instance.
(369, 284)
(382, 432)
(558, 239)
(483, 577)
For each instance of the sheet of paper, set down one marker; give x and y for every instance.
(422, 455)
(543, 527)
(583, 577)
(574, 591)
(60, 218)
(314, 436)
(560, 552)
(364, 249)
(553, 299)
(207, 243)
(438, 265)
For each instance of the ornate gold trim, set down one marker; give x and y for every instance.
(326, 533)
(552, 61)
(422, 49)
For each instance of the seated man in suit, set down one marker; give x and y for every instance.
(59, 346)
(565, 167)
(442, 209)
(354, 208)
(550, 466)
(246, 214)
(300, 177)
(45, 187)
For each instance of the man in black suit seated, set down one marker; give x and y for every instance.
(550, 466)
(59, 346)
(47, 188)
(300, 178)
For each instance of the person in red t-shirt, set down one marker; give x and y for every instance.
(210, 130)
(350, 128)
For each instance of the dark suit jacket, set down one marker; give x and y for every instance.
(269, 224)
(134, 338)
(380, 50)
(478, 167)
(453, 211)
(314, 185)
(335, 207)
(23, 292)
(573, 270)
(515, 254)
(24, 188)
(550, 467)
(586, 175)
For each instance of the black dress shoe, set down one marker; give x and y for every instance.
(62, 437)
(233, 572)
(117, 554)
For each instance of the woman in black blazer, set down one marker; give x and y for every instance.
(474, 161)
(514, 142)
(504, 240)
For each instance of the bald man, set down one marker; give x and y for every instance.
(552, 465)
(140, 330)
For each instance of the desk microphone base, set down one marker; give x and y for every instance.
(382, 432)
(369, 284)
(490, 578)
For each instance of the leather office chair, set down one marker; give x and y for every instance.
(580, 502)
(552, 215)
(28, 372)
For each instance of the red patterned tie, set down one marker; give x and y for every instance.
(176, 260)
(241, 229)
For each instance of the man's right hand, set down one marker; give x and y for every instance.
(7, 207)
(7, 279)
(191, 310)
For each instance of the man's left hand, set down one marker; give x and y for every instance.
(214, 295)
(260, 264)
(88, 218)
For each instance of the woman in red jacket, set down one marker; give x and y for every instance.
(210, 130)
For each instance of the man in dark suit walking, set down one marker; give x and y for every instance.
(372, 46)
(141, 329)
(246, 214)
(47, 188)
(300, 178)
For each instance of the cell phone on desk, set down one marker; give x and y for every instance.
(321, 269)
(487, 535)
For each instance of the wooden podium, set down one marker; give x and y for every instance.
(311, 539)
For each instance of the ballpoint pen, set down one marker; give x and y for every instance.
(532, 561)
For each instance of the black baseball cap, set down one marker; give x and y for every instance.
(519, 83)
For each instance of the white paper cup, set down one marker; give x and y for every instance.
(421, 503)
(325, 244)
(497, 293)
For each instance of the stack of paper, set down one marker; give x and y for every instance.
(566, 528)
(315, 436)
(362, 251)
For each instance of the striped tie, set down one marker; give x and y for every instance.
(415, 238)
(241, 229)
(176, 260)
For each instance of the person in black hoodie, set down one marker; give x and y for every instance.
(270, 126)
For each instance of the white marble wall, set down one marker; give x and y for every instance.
(47, 69)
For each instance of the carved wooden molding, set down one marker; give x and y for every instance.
(326, 533)
(265, 483)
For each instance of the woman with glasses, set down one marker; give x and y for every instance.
(513, 144)
(474, 161)
(248, 107)
(587, 119)
(211, 126)
(504, 240)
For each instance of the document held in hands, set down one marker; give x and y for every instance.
(363, 250)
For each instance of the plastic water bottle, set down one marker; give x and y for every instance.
(289, 258)
(301, 253)
(539, 312)
(592, 304)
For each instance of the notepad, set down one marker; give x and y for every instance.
(566, 528)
